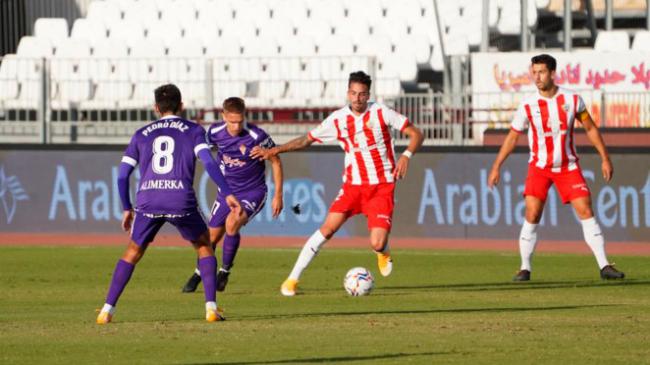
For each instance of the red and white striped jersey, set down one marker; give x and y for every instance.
(551, 122)
(366, 140)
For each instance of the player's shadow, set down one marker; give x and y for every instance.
(519, 286)
(426, 311)
(400, 355)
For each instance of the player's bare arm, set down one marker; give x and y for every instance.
(278, 180)
(127, 219)
(415, 141)
(507, 147)
(597, 140)
(293, 145)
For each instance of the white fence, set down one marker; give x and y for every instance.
(104, 100)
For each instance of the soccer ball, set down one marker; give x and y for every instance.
(358, 281)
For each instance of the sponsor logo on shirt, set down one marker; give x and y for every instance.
(233, 162)
(162, 184)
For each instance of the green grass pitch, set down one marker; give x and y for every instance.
(437, 307)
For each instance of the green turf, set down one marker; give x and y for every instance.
(437, 307)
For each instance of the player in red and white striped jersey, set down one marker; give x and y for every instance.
(549, 116)
(362, 129)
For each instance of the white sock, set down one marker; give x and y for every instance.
(211, 306)
(197, 272)
(108, 308)
(527, 242)
(308, 252)
(595, 239)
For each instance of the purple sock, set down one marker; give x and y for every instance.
(230, 247)
(208, 269)
(121, 276)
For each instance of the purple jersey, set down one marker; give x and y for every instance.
(166, 152)
(241, 171)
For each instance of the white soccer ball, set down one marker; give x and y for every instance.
(358, 281)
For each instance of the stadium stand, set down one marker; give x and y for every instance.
(278, 54)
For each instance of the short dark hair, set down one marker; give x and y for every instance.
(360, 77)
(168, 98)
(234, 105)
(545, 59)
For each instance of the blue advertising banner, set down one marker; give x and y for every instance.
(445, 195)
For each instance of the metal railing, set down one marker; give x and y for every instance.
(105, 100)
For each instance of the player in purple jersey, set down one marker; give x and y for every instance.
(166, 151)
(234, 139)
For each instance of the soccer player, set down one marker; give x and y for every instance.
(550, 115)
(234, 138)
(362, 129)
(165, 150)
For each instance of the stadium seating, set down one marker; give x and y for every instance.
(641, 41)
(274, 52)
(51, 28)
(612, 41)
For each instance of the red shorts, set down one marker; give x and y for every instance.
(374, 201)
(570, 184)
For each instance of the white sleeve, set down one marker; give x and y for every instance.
(394, 119)
(325, 132)
(520, 120)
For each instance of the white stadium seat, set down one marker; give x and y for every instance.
(281, 69)
(70, 73)
(206, 32)
(327, 9)
(104, 12)
(417, 45)
(88, 29)
(34, 47)
(301, 93)
(377, 46)
(128, 31)
(357, 30)
(510, 16)
(641, 41)
(185, 47)
(612, 41)
(143, 12)
(110, 48)
(163, 30)
(297, 46)
(29, 76)
(110, 75)
(148, 48)
(9, 86)
(314, 28)
(333, 93)
(223, 47)
(362, 11)
(289, 10)
(336, 45)
(278, 28)
(181, 12)
(267, 92)
(51, 28)
(260, 47)
(405, 10)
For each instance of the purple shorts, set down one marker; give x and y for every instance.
(146, 226)
(251, 201)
